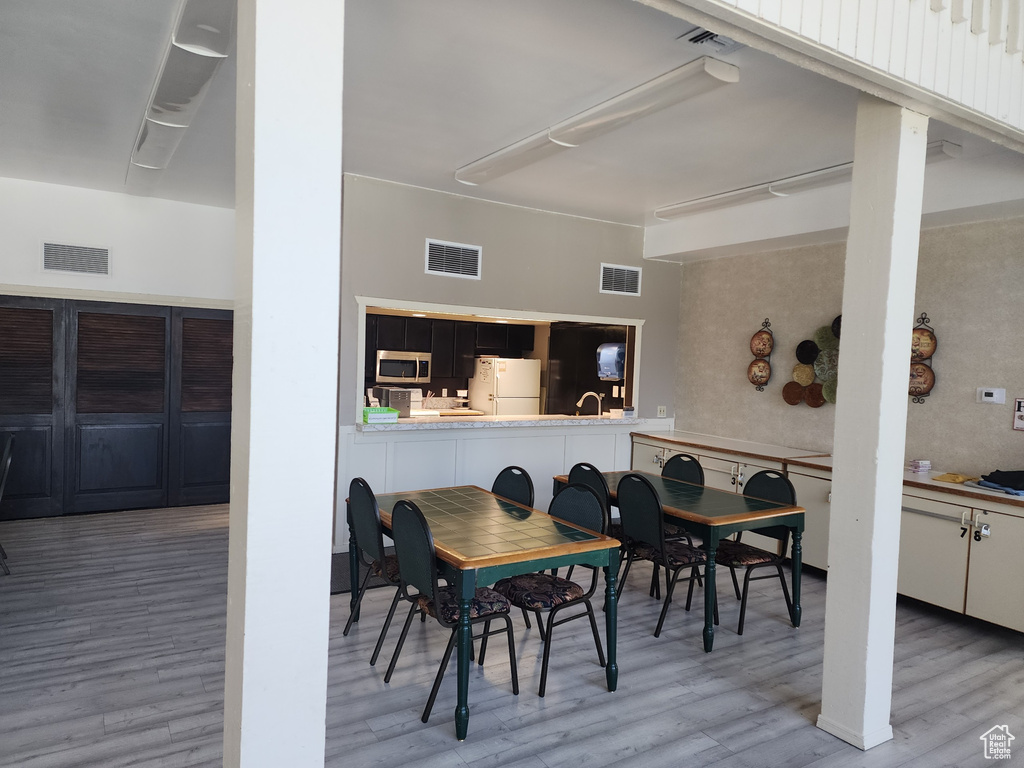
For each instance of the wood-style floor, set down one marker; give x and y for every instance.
(112, 654)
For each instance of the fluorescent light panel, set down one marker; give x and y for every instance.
(201, 41)
(791, 185)
(685, 82)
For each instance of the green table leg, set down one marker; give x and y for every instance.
(353, 567)
(710, 547)
(798, 566)
(466, 586)
(611, 617)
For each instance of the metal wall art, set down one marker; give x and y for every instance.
(817, 369)
(922, 346)
(761, 344)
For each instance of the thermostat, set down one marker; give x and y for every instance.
(991, 395)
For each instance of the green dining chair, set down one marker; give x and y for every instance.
(643, 522)
(538, 592)
(417, 567)
(735, 554)
(364, 517)
(514, 483)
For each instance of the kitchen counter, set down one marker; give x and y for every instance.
(489, 422)
(727, 444)
(921, 480)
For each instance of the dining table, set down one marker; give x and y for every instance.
(480, 538)
(714, 514)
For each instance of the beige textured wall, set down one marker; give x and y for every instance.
(969, 284)
(532, 261)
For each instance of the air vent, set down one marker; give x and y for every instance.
(76, 258)
(453, 259)
(619, 279)
(708, 43)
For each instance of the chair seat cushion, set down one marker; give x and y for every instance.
(677, 554)
(487, 602)
(736, 554)
(387, 570)
(538, 591)
(673, 531)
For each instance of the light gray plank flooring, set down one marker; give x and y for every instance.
(112, 654)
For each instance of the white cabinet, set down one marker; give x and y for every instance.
(934, 547)
(964, 558)
(996, 570)
(647, 456)
(814, 493)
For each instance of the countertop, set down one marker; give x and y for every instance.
(729, 445)
(921, 480)
(489, 422)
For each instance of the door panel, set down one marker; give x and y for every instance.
(997, 570)
(117, 415)
(32, 347)
(200, 414)
(933, 553)
(120, 457)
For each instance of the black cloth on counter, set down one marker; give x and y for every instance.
(1013, 479)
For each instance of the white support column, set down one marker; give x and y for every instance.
(284, 420)
(871, 417)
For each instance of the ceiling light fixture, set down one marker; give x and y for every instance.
(685, 82)
(791, 185)
(200, 43)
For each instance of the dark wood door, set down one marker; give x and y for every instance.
(117, 407)
(199, 462)
(32, 405)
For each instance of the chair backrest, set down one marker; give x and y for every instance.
(771, 486)
(640, 511)
(365, 521)
(590, 476)
(414, 547)
(580, 505)
(684, 467)
(514, 483)
(5, 463)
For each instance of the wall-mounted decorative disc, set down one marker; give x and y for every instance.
(923, 344)
(761, 344)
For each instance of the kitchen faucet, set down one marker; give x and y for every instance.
(590, 394)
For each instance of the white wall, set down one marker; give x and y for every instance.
(161, 251)
(533, 261)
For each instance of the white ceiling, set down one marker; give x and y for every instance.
(429, 87)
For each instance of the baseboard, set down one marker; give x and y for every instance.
(861, 741)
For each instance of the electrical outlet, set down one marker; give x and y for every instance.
(662, 411)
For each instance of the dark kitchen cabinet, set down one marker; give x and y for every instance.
(417, 334)
(442, 349)
(390, 332)
(370, 347)
(520, 337)
(492, 336)
(465, 349)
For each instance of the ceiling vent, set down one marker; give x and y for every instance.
(76, 258)
(710, 44)
(618, 279)
(453, 259)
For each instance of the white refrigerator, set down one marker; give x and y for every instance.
(505, 386)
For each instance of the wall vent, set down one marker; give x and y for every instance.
(453, 259)
(76, 258)
(710, 44)
(618, 279)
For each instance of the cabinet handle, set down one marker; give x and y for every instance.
(829, 499)
(927, 513)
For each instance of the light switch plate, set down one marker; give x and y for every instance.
(991, 395)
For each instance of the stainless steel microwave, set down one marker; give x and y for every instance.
(395, 367)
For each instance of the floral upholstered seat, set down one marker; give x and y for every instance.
(486, 601)
(538, 591)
